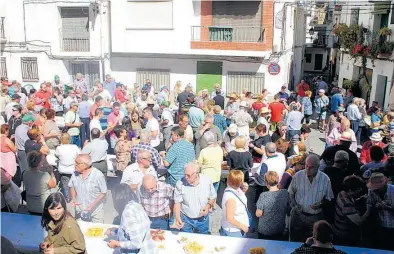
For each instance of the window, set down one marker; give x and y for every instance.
(157, 77)
(153, 14)
(3, 68)
(392, 14)
(75, 35)
(308, 58)
(29, 68)
(237, 81)
(354, 13)
(318, 61)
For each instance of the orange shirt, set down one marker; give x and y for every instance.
(44, 97)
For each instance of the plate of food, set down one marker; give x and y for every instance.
(183, 239)
(257, 250)
(193, 248)
(95, 232)
(158, 235)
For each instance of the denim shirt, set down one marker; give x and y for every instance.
(306, 102)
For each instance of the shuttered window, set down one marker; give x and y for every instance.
(237, 81)
(157, 77)
(29, 68)
(75, 29)
(3, 68)
(238, 20)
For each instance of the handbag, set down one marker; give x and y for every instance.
(251, 223)
(65, 128)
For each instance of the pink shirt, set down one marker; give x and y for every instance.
(113, 120)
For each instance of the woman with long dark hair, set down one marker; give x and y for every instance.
(134, 230)
(126, 122)
(64, 234)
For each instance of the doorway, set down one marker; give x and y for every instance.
(381, 88)
(208, 74)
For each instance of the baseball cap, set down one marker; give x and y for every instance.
(164, 103)
(28, 118)
(322, 91)
(56, 77)
(15, 96)
(233, 128)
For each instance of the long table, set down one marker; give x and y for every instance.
(25, 232)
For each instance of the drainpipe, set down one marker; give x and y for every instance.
(24, 21)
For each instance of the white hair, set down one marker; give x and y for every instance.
(210, 138)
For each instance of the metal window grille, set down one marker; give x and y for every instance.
(3, 67)
(89, 70)
(157, 77)
(29, 68)
(253, 82)
(75, 35)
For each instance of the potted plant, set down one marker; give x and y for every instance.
(386, 49)
(385, 31)
(348, 84)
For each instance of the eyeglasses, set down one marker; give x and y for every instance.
(147, 158)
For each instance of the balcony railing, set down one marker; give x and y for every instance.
(227, 34)
(74, 42)
(2, 31)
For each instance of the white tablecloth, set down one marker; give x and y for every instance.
(25, 232)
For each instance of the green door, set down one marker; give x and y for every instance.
(208, 73)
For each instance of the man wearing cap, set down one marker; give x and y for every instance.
(57, 83)
(16, 119)
(15, 100)
(20, 139)
(374, 140)
(231, 108)
(166, 122)
(264, 114)
(336, 100)
(381, 201)
(217, 91)
(242, 119)
(229, 137)
(328, 155)
(334, 121)
(321, 104)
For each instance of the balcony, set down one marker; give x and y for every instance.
(74, 41)
(3, 39)
(227, 34)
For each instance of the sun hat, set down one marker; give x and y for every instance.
(233, 128)
(376, 137)
(264, 110)
(377, 181)
(233, 96)
(28, 118)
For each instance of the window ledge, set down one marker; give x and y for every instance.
(149, 29)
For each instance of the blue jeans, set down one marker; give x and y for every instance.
(85, 130)
(354, 125)
(231, 234)
(199, 225)
(159, 223)
(76, 140)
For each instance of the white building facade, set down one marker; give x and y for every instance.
(372, 16)
(231, 43)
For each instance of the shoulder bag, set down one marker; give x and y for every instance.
(251, 224)
(65, 128)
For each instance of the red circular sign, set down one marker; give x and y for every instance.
(274, 69)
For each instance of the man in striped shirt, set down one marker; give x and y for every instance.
(309, 190)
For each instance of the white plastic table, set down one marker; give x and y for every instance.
(25, 232)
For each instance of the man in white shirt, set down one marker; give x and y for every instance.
(275, 162)
(166, 122)
(73, 123)
(97, 149)
(134, 173)
(100, 91)
(71, 98)
(354, 116)
(153, 126)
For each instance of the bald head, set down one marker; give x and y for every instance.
(149, 182)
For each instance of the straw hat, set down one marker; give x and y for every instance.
(264, 110)
(376, 137)
(377, 181)
(233, 96)
(346, 136)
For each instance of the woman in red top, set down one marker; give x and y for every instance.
(43, 95)
(258, 104)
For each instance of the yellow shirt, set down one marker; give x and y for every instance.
(211, 159)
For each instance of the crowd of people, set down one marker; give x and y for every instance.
(178, 152)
